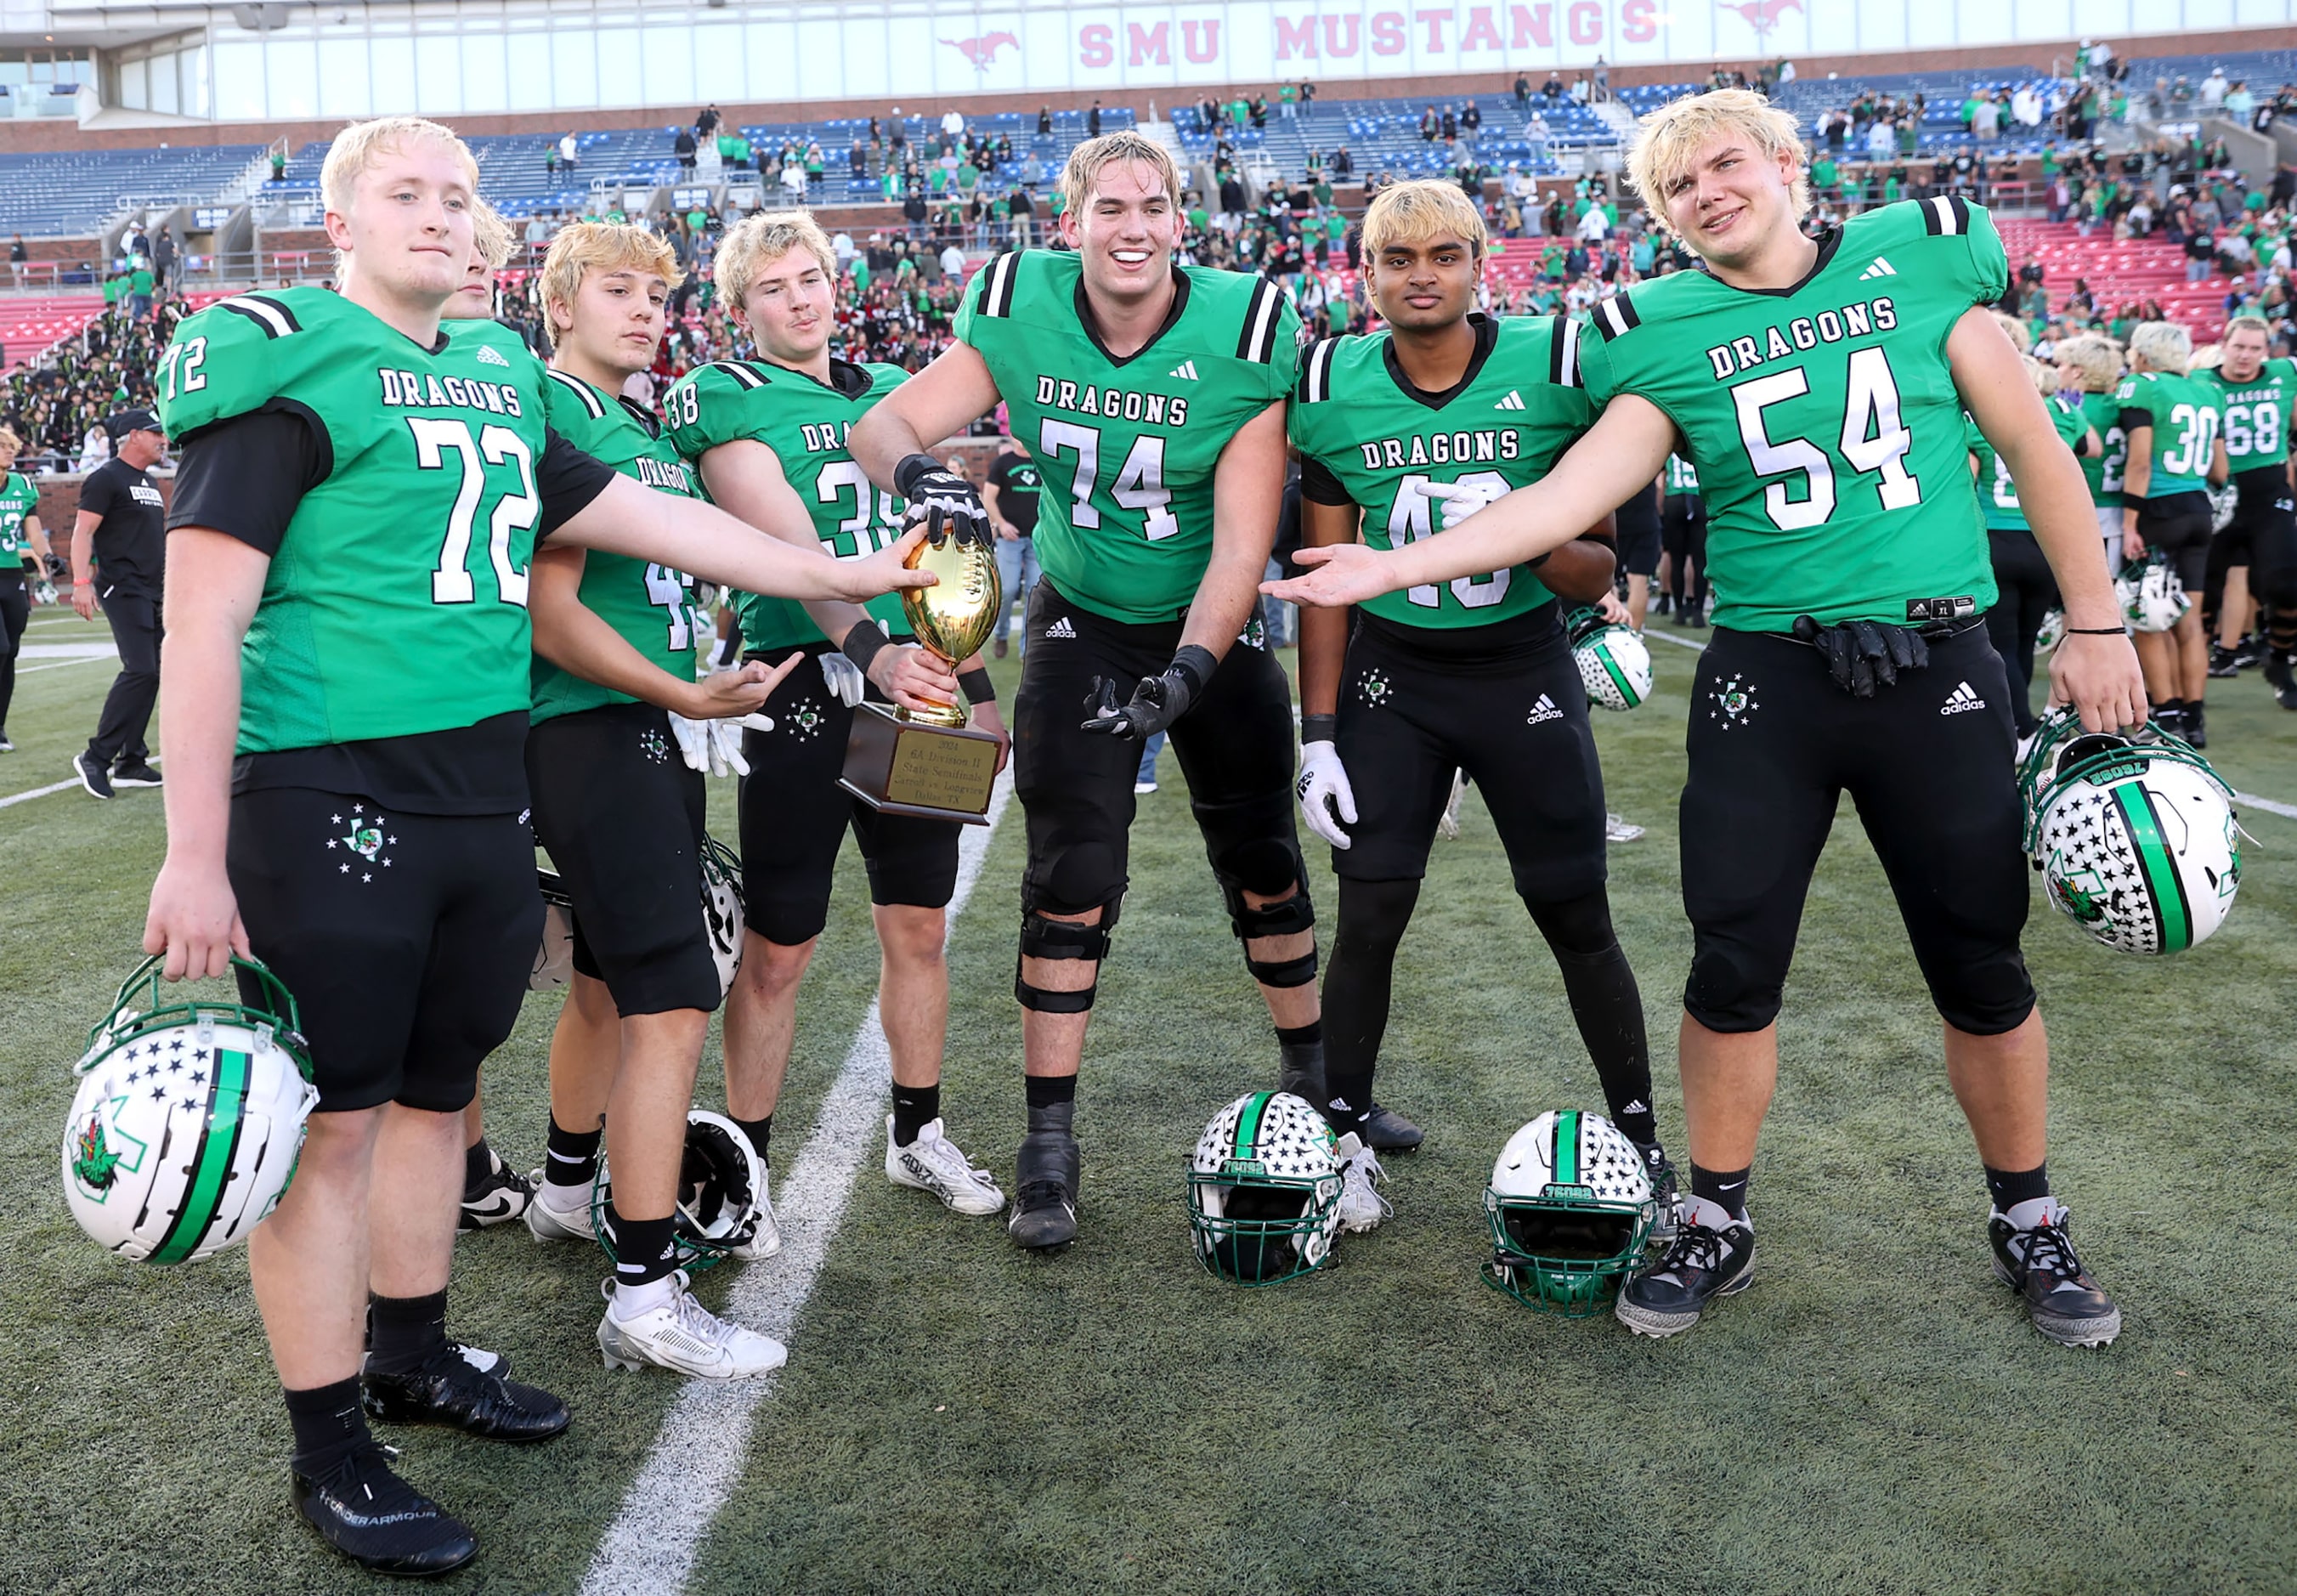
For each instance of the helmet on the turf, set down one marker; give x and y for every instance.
(719, 1179)
(2152, 598)
(2050, 632)
(554, 961)
(189, 1116)
(721, 909)
(2134, 836)
(1571, 1206)
(2225, 503)
(1264, 1189)
(1614, 664)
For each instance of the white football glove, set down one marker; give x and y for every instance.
(714, 747)
(1324, 789)
(844, 678)
(1462, 499)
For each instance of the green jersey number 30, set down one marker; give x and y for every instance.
(1873, 439)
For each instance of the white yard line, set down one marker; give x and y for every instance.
(56, 786)
(69, 651)
(698, 1454)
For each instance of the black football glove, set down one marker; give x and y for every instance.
(1861, 653)
(59, 568)
(1156, 702)
(930, 487)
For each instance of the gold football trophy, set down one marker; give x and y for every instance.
(928, 762)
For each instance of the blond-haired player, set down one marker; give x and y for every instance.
(2174, 424)
(20, 536)
(1819, 386)
(2093, 363)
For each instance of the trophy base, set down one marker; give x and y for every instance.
(908, 768)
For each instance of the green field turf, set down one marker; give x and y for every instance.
(1874, 1416)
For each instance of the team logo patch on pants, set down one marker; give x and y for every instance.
(363, 837)
(1734, 703)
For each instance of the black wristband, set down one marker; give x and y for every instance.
(862, 643)
(909, 468)
(1319, 728)
(977, 686)
(2097, 631)
(1196, 665)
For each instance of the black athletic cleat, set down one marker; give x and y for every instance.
(1664, 1190)
(2223, 662)
(2250, 651)
(2194, 730)
(91, 775)
(6, 745)
(454, 1389)
(1387, 1131)
(378, 1520)
(2041, 1265)
(2281, 672)
(1045, 1192)
(133, 773)
(1666, 1297)
(502, 1194)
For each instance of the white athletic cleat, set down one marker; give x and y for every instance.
(557, 1224)
(1617, 829)
(932, 1163)
(765, 1236)
(683, 1336)
(1362, 1207)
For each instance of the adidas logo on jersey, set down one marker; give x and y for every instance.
(1545, 710)
(1881, 269)
(490, 356)
(1962, 700)
(1060, 629)
(1186, 369)
(1514, 401)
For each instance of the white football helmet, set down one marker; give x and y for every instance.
(2050, 632)
(1614, 664)
(2134, 833)
(2152, 598)
(554, 961)
(1571, 1207)
(1264, 1190)
(2224, 504)
(719, 1180)
(189, 1117)
(721, 909)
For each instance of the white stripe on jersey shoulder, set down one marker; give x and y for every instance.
(1316, 371)
(269, 314)
(1616, 316)
(739, 371)
(1946, 216)
(1258, 344)
(581, 390)
(999, 281)
(1563, 353)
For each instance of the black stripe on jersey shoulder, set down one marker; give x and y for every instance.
(1257, 342)
(271, 315)
(1563, 352)
(740, 371)
(998, 281)
(1315, 385)
(1946, 216)
(580, 389)
(1616, 316)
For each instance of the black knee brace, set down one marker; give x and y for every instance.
(1044, 938)
(1280, 918)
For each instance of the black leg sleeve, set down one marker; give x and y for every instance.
(1605, 1004)
(1373, 915)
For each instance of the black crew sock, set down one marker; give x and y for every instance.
(478, 1163)
(1726, 1189)
(645, 1249)
(405, 1331)
(571, 1157)
(914, 1108)
(1052, 1102)
(328, 1423)
(1300, 1036)
(2009, 1187)
(759, 1131)
(1300, 1060)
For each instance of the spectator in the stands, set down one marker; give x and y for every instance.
(2213, 89)
(569, 152)
(163, 258)
(705, 124)
(17, 256)
(278, 165)
(952, 122)
(1093, 121)
(1044, 121)
(684, 148)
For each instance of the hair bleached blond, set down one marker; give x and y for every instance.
(1421, 211)
(2248, 323)
(762, 238)
(586, 247)
(360, 147)
(2163, 345)
(1088, 160)
(2020, 335)
(2097, 361)
(1667, 142)
(490, 235)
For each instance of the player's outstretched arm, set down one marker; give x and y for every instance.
(1323, 633)
(214, 584)
(573, 637)
(1629, 442)
(703, 540)
(939, 401)
(1248, 496)
(2095, 669)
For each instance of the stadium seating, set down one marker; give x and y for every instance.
(2118, 274)
(73, 193)
(29, 325)
(1383, 135)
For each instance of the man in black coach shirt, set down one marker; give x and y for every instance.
(118, 526)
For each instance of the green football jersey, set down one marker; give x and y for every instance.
(396, 603)
(651, 606)
(1997, 492)
(805, 424)
(2256, 413)
(2103, 411)
(1364, 430)
(2184, 417)
(19, 497)
(1823, 418)
(1129, 446)
(1682, 478)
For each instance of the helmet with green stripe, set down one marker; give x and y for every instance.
(1571, 1206)
(2134, 833)
(1264, 1190)
(189, 1116)
(1614, 662)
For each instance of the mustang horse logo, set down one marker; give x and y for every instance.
(1763, 15)
(982, 52)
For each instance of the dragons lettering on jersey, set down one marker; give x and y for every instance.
(413, 390)
(1156, 409)
(1783, 341)
(825, 436)
(1442, 448)
(671, 476)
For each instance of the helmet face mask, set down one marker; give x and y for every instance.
(719, 1179)
(1571, 1210)
(554, 961)
(723, 908)
(1264, 1190)
(2152, 598)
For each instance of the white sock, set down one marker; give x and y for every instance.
(1699, 1211)
(630, 1300)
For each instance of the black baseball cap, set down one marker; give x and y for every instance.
(125, 422)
